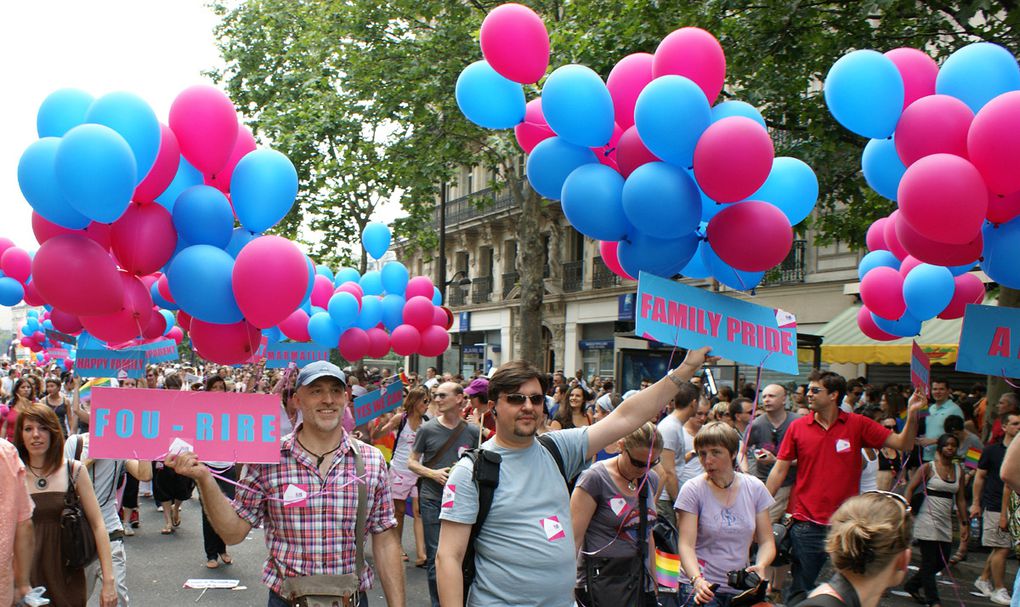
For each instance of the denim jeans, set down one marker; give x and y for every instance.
(718, 600)
(276, 600)
(429, 510)
(807, 559)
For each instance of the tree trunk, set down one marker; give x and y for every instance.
(997, 386)
(530, 267)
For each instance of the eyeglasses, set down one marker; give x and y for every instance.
(517, 398)
(893, 496)
(815, 389)
(640, 463)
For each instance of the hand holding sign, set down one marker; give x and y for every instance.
(186, 464)
(918, 401)
(698, 357)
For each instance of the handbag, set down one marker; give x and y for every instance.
(335, 590)
(77, 542)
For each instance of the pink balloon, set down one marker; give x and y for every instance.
(205, 122)
(38, 337)
(354, 344)
(969, 290)
(163, 286)
(65, 322)
(434, 341)
(626, 81)
(696, 54)
(378, 342)
(733, 159)
(144, 238)
(927, 250)
(405, 340)
(176, 334)
(32, 296)
(448, 322)
(882, 292)
(163, 170)
(322, 289)
(350, 287)
(295, 326)
(610, 257)
(918, 71)
(6, 243)
(130, 320)
(993, 143)
(184, 320)
(279, 261)
(16, 263)
(156, 326)
(534, 129)
(44, 230)
(515, 43)
(632, 153)
(439, 316)
(76, 275)
(26, 342)
(909, 264)
(231, 344)
(889, 236)
(1003, 208)
(944, 198)
(420, 285)
(876, 235)
(418, 312)
(936, 124)
(607, 154)
(750, 236)
(244, 144)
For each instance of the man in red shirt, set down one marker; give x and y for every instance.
(827, 448)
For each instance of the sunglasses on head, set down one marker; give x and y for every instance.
(640, 463)
(893, 496)
(518, 399)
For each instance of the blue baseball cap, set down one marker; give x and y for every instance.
(317, 369)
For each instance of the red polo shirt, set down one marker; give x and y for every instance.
(828, 462)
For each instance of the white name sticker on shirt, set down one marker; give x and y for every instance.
(449, 493)
(295, 496)
(179, 446)
(618, 505)
(553, 528)
(842, 445)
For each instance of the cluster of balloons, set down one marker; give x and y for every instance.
(15, 274)
(943, 146)
(33, 337)
(646, 162)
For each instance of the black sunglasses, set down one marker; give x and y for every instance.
(518, 399)
(640, 463)
(815, 389)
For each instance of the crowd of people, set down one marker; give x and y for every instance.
(535, 489)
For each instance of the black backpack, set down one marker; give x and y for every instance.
(486, 477)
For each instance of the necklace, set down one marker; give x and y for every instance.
(321, 457)
(631, 484)
(40, 481)
(726, 486)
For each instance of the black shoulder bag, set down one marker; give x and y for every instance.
(77, 542)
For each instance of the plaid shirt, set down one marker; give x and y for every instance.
(317, 537)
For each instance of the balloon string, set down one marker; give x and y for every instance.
(324, 491)
(1002, 371)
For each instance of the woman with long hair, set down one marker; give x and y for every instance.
(24, 394)
(40, 444)
(575, 414)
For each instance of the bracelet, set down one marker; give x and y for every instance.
(676, 380)
(694, 580)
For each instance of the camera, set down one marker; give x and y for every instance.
(742, 580)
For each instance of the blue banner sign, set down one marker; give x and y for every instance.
(688, 317)
(95, 359)
(279, 355)
(990, 341)
(160, 351)
(370, 406)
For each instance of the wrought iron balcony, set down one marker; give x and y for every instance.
(481, 289)
(474, 205)
(573, 276)
(793, 268)
(509, 282)
(601, 276)
(458, 295)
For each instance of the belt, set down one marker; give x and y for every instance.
(117, 535)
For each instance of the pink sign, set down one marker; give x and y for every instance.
(217, 426)
(920, 369)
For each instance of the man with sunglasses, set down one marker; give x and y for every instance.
(827, 448)
(767, 432)
(525, 549)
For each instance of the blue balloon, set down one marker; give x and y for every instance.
(346, 275)
(552, 161)
(927, 290)
(200, 282)
(171, 321)
(25, 330)
(202, 215)
(272, 335)
(577, 106)
(593, 202)
(375, 239)
(960, 270)
(488, 99)
(262, 188)
(131, 116)
(732, 278)
(662, 201)
(343, 309)
(311, 279)
(32, 313)
(186, 177)
(96, 171)
(978, 73)
(864, 92)
(709, 207)
(875, 259)
(696, 267)
(662, 257)
(727, 109)
(906, 326)
(394, 278)
(47, 325)
(792, 187)
(61, 111)
(322, 330)
(371, 283)
(38, 181)
(371, 312)
(1001, 251)
(393, 311)
(239, 237)
(11, 292)
(159, 300)
(671, 113)
(437, 297)
(323, 270)
(32, 322)
(882, 167)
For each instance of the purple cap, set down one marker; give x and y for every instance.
(478, 386)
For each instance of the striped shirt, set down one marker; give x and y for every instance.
(315, 537)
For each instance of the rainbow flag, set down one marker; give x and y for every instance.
(667, 569)
(971, 458)
(85, 391)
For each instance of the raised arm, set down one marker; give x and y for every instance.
(904, 441)
(225, 520)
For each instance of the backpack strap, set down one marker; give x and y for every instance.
(359, 527)
(78, 447)
(554, 451)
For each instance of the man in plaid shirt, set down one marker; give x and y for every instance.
(313, 535)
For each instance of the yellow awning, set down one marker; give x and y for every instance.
(843, 342)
